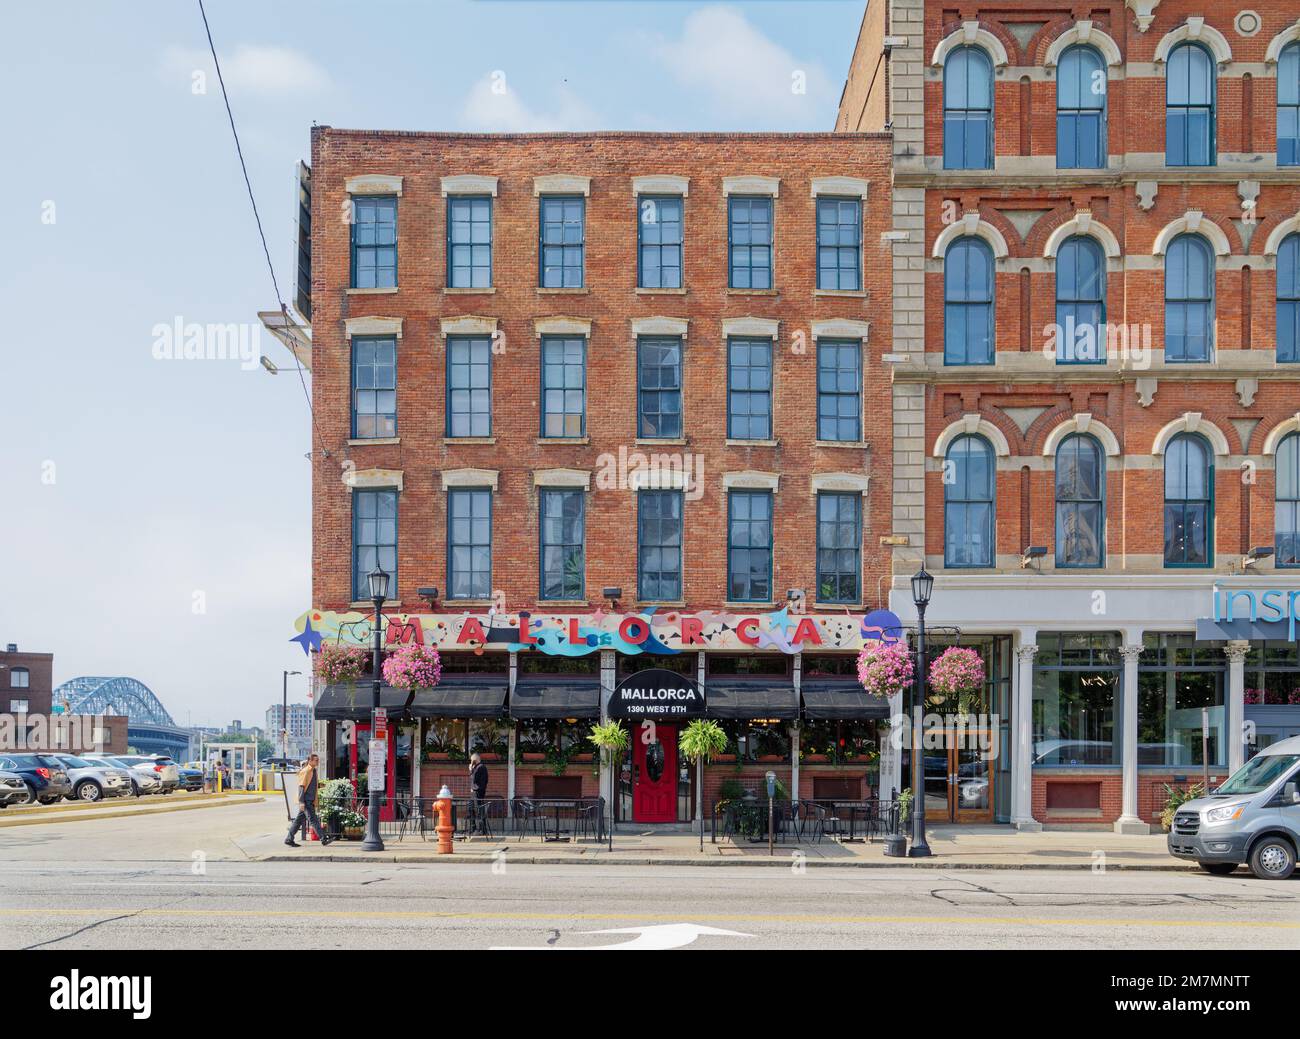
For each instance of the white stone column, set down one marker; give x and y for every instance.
(1129, 820)
(606, 781)
(514, 728)
(891, 757)
(1022, 733)
(1235, 727)
(797, 673)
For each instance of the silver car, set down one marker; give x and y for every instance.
(144, 780)
(93, 780)
(12, 788)
(161, 765)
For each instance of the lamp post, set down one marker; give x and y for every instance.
(378, 579)
(922, 586)
(284, 718)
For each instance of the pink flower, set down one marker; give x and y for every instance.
(336, 663)
(413, 667)
(1253, 695)
(957, 670)
(885, 668)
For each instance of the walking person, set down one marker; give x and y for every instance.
(478, 783)
(307, 805)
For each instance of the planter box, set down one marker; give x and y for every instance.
(816, 759)
(725, 758)
(437, 757)
(531, 757)
(770, 758)
(491, 757)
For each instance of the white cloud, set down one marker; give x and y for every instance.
(251, 68)
(740, 71)
(493, 105)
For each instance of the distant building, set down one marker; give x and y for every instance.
(35, 718)
(299, 726)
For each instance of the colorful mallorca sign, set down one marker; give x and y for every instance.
(577, 634)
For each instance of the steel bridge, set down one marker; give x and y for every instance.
(150, 729)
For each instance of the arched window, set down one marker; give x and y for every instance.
(1080, 301)
(968, 302)
(1189, 299)
(1081, 109)
(1286, 509)
(968, 476)
(1080, 502)
(1288, 299)
(1189, 106)
(1288, 105)
(1189, 501)
(968, 110)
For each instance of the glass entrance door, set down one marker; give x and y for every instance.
(959, 780)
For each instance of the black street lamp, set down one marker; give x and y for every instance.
(922, 586)
(284, 718)
(378, 579)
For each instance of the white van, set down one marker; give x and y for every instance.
(1254, 817)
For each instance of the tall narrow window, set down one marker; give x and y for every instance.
(563, 238)
(20, 678)
(749, 389)
(839, 243)
(1189, 299)
(374, 242)
(1288, 105)
(1288, 298)
(1286, 536)
(374, 538)
(564, 386)
(1189, 107)
(1189, 502)
(839, 547)
(1081, 109)
(749, 242)
(469, 386)
(469, 242)
(563, 536)
(469, 543)
(968, 302)
(659, 231)
(659, 546)
(374, 387)
(659, 388)
(839, 390)
(1080, 502)
(1080, 302)
(968, 478)
(968, 110)
(749, 546)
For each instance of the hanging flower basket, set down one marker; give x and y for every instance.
(885, 668)
(957, 672)
(336, 664)
(413, 667)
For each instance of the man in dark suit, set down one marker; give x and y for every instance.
(478, 784)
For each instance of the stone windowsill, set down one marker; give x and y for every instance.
(548, 603)
(642, 291)
(744, 606)
(367, 604)
(469, 440)
(753, 292)
(849, 293)
(563, 440)
(661, 602)
(469, 291)
(753, 443)
(859, 445)
(657, 442)
(372, 292)
(837, 606)
(580, 291)
(466, 602)
(376, 441)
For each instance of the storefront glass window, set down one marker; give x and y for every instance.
(1176, 679)
(1076, 699)
(1273, 674)
(840, 742)
(776, 664)
(489, 736)
(446, 736)
(678, 663)
(830, 665)
(756, 739)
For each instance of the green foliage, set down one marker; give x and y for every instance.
(331, 797)
(1175, 798)
(612, 740)
(702, 739)
(730, 790)
(904, 805)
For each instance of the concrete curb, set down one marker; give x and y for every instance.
(105, 814)
(66, 807)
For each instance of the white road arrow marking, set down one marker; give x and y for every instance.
(656, 936)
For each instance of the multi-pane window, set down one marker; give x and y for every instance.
(1286, 537)
(1080, 502)
(968, 302)
(659, 235)
(562, 555)
(839, 390)
(469, 386)
(1288, 298)
(1189, 502)
(839, 243)
(374, 242)
(1189, 107)
(1081, 109)
(659, 546)
(968, 110)
(563, 235)
(564, 386)
(469, 242)
(659, 387)
(469, 543)
(749, 242)
(1288, 106)
(19, 678)
(749, 389)
(839, 547)
(1189, 299)
(374, 387)
(968, 478)
(1080, 301)
(749, 546)
(374, 538)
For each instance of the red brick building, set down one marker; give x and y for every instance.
(30, 720)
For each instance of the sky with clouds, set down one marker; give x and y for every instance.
(156, 520)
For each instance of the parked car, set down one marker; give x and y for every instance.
(144, 780)
(12, 789)
(93, 780)
(191, 778)
(1253, 818)
(165, 768)
(45, 779)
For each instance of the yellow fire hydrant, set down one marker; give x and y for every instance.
(444, 829)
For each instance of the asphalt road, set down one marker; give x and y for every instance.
(181, 881)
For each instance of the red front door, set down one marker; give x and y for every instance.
(654, 773)
(359, 763)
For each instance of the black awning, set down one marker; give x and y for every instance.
(844, 700)
(353, 700)
(456, 696)
(750, 700)
(556, 696)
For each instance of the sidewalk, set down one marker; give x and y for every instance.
(116, 808)
(953, 847)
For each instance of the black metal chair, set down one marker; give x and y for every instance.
(527, 818)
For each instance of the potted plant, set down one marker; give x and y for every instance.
(1175, 798)
(698, 743)
(352, 823)
(337, 664)
(957, 675)
(885, 668)
(612, 741)
(413, 667)
(330, 800)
